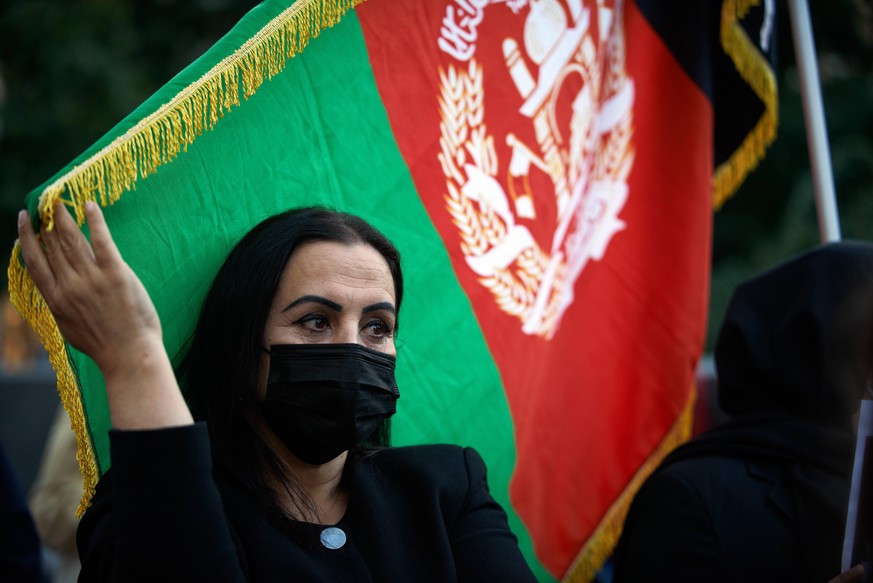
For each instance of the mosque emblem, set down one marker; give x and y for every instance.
(568, 70)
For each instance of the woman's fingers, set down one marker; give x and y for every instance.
(66, 248)
(61, 261)
(104, 249)
(853, 575)
(34, 257)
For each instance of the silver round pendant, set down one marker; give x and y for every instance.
(333, 538)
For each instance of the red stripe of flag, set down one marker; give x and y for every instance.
(595, 394)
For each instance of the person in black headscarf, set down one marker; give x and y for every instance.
(763, 497)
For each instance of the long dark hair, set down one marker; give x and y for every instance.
(218, 370)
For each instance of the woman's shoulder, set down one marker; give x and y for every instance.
(414, 479)
(436, 463)
(412, 452)
(439, 453)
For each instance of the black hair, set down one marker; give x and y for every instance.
(218, 370)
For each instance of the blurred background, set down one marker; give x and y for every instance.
(71, 69)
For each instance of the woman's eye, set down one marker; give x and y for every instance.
(379, 329)
(315, 322)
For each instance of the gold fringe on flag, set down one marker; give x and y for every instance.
(29, 303)
(756, 71)
(602, 542)
(139, 152)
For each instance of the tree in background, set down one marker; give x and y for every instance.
(773, 216)
(71, 69)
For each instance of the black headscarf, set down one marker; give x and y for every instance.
(799, 337)
(793, 358)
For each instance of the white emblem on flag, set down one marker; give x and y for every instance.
(587, 161)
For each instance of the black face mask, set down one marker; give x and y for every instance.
(323, 399)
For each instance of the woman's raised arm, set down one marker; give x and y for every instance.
(103, 310)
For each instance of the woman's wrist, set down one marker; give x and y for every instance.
(142, 391)
(142, 353)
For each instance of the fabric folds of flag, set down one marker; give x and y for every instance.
(548, 169)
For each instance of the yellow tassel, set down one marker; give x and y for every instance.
(604, 538)
(154, 141)
(30, 304)
(755, 71)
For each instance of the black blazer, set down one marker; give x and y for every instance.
(722, 519)
(415, 514)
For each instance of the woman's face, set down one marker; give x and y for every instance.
(332, 293)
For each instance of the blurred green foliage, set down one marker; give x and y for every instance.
(71, 69)
(773, 214)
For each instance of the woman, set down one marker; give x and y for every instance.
(763, 497)
(291, 366)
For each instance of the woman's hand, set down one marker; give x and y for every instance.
(103, 310)
(100, 306)
(853, 575)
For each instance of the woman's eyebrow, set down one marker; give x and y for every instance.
(316, 299)
(388, 306)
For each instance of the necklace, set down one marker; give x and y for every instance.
(332, 537)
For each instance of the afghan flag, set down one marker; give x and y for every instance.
(548, 170)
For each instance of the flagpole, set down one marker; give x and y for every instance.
(813, 114)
